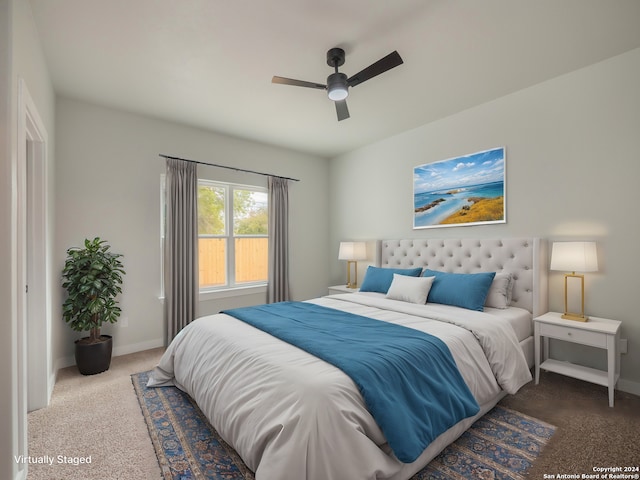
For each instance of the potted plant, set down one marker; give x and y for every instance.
(92, 277)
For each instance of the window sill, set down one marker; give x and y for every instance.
(229, 292)
(233, 292)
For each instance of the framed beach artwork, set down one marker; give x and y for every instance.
(466, 190)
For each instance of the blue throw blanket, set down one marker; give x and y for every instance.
(408, 379)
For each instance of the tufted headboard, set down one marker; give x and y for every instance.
(524, 258)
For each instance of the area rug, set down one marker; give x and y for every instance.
(500, 445)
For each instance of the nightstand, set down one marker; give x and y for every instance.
(341, 289)
(597, 332)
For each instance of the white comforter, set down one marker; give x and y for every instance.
(292, 416)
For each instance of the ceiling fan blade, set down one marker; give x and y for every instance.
(342, 110)
(386, 63)
(298, 83)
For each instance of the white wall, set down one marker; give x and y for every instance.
(7, 303)
(108, 185)
(573, 166)
(21, 56)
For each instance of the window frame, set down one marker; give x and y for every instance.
(230, 236)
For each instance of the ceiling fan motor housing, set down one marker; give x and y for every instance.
(337, 86)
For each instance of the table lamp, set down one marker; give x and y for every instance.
(574, 257)
(352, 252)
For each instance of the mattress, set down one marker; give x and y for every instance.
(520, 320)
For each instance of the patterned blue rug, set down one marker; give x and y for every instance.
(502, 445)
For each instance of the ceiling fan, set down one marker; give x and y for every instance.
(338, 84)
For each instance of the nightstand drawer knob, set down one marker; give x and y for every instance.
(569, 333)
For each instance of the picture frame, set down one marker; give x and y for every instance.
(461, 191)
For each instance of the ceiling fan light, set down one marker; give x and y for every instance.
(338, 94)
(337, 87)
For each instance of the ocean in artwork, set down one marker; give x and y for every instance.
(442, 189)
(453, 201)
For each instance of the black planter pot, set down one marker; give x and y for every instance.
(92, 358)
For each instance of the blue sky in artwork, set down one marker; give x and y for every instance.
(475, 169)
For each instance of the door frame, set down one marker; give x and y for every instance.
(35, 369)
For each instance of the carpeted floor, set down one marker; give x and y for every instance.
(590, 434)
(99, 416)
(95, 416)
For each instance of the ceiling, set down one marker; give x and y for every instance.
(209, 63)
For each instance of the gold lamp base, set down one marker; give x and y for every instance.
(575, 316)
(351, 284)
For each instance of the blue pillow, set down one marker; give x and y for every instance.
(465, 290)
(379, 280)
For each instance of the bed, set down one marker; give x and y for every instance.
(292, 416)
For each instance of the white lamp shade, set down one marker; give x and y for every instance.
(352, 251)
(574, 257)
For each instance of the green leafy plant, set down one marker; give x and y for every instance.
(92, 277)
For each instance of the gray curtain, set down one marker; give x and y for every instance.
(278, 289)
(180, 246)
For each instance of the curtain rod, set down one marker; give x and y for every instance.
(230, 168)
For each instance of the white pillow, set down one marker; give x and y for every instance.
(410, 289)
(499, 295)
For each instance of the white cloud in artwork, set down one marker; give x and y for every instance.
(462, 165)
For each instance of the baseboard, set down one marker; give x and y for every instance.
(117, 352)
(21, 474)
(52, 383)
(64, 363)
(628, 386)
(138, 347)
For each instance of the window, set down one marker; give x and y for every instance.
(232, 235)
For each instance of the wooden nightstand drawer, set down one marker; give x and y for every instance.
(595, 339)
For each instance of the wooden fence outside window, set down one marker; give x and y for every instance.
(251, 260)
